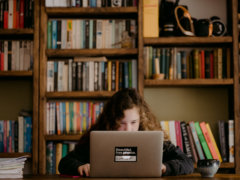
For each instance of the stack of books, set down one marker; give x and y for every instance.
(12, 167)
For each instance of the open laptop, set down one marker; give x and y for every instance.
(126, 154)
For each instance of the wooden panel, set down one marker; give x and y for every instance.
(16, 31)
(14, 155)
(80, 94)
(187, 40)
(35, 88)
(89, 52)
(188, 82)
(15, 73)
(75, 137)
(91, 11)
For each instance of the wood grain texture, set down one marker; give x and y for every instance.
(75, 137)
(17, 31)
(16, 73)
(15, 155)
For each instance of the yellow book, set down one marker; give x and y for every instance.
(214, 142)
(150, 18)
(84, 118)
(109, 77)
(58, 155)
(67, 118)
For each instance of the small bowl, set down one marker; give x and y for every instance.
(208, 167)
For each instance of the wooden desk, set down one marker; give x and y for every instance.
(184, 177)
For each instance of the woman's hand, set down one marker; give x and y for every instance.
(163, 168)
(84, 170)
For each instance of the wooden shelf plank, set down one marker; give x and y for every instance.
(90, 52)
(90, 11)
(15, 73)
(74, 137)
(187, 82)
(187, 40)
(225, 165)
(80, 94)
(14, 155)
(16, 31)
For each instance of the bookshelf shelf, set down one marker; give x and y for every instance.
(75, 137)
(14, 155)
(90, 52)
(16, 31)
(187, 40)
(16, 73)
(188, 82)
(224, 165)
(90, 11)
(80, 94)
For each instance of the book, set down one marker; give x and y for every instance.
(185, 137)
(223, 132)
(193, 148)
(231, 140)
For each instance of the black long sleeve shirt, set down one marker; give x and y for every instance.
(174, 159)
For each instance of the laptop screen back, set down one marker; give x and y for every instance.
(126, 154)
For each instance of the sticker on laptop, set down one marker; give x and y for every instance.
(125, 154)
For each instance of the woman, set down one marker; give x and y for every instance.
(125, 111)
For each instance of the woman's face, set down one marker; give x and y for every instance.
(131, 120)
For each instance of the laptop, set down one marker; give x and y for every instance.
(126, 154)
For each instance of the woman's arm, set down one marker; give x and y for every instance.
(69, 164)
(175, 160)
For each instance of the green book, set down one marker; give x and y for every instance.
(49, 34)
(203, 141)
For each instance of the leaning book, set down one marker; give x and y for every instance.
(12, 167)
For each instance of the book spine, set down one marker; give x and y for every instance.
(222, 140)
(231, 140)
(186, 143)
(194, 152)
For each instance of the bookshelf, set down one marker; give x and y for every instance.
(230, 84)
(47, 55)
(29, 78)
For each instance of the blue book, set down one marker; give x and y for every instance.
(90, 34)
(71, 111)
(28, 138)
(125, 75)
(93, 3)
(1, 135)
(54, 34)
(61, 117)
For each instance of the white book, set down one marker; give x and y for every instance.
(73, 3)
(49, 3)
(31, 54)
(231, 140)
(70, 61)
(74, 34)
(60, 75)
(99, 3)
(100, 76)
(116, 34)
(50, 76)
(4, 176)
(81, 26)
(65, 77)
(134, 73)
(5, 55)
(84, 3)
(14, 56)
(91, 76)
(104, 33)
(64, 34)
(58, 116)
(172, 132)
(20, 133)
(120, 26)
(90, 34)
(53, 121)
(10, 14)
(99, 33)
(107, 36)
(112, 34)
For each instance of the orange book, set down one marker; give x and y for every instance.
(67, 118)
(117, 75)
(208, 140)
(109, 64)
(214, 142)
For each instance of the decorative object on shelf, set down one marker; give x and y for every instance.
(219, 29)
(203, 27)
(208, 167)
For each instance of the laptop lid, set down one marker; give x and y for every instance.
(126, 154)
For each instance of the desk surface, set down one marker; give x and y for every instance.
(184, 177)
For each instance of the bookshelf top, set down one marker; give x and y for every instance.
(16, 31)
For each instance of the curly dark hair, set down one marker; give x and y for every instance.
(113, 112)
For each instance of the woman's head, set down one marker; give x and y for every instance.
(126, 108)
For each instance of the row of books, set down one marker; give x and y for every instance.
(16, 55)
(16, 14)
(55, 152)
(197, 141)
(89, 33)
(71, 117)
(16, 136)
(180, 63)
(90, 3)
(91, 74)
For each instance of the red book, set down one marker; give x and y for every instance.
(5, 20)
(14, 14)
(208, 140)
(2, 61)
(21, 14)
(178, 134)
(202, 64)
(211, 65)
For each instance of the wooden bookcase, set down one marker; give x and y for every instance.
(231, 84)
(32, 76)
(45, 54)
